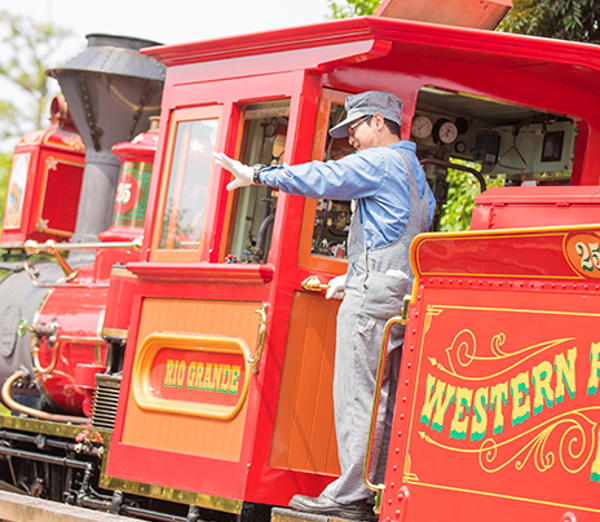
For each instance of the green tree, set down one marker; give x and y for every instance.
(462, 189)
(27, 49)
(5, 161)
(577, 20)
(352, 8)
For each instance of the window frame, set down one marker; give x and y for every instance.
(178, 116)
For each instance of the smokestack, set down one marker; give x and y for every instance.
(112, 90)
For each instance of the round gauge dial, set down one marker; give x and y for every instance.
(421, 127)
(445, 131)
(460, 147)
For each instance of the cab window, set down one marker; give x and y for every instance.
(264, 128)
(192, 138)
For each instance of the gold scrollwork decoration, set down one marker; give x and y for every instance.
(463, 351)
(569, 439)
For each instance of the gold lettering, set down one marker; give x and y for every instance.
(519, 387)
(235, 379)
(208, 381)
(217, 371)
(498, 399)
(168, 373)
(226, 379)
(565, 374)
(199, 376)
(438, 396)
(181, 374)
(479, 419)
(190, 375)
(460, 421)
(541, 376)
(592, 386)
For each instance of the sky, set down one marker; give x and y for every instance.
(170, 21)
(163, 21)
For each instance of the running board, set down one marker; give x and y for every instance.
(290, 515)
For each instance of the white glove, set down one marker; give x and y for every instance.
(243, 173)
(336, 287)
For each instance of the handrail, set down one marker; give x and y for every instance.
(260, 345)
(449, 165)
(53, 248)
(378, 488)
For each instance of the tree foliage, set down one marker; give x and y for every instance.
(577, 20)
(351, 8)
(462, 189)
(27, 49)
(5, 161)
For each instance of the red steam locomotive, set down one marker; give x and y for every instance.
(174, 360)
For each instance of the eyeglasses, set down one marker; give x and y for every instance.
(352, 126)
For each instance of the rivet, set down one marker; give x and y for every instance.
(398, 513)
(406, 382)
(409, 366)
(390, 502)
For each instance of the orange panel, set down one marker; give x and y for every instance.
(220, 439)
(304, 434)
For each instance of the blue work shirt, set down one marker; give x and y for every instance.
(376, 178)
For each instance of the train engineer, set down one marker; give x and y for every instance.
(393, 204)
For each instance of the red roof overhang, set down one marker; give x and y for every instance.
(400, 36)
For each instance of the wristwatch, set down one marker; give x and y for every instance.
(255, 177)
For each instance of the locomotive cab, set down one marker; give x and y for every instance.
(229, 362)
(220, 341)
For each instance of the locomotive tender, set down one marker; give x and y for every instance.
(183, 371)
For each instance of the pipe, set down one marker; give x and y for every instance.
(449, 165)
(49, 459)
(14, 405)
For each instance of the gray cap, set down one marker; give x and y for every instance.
(367, 104)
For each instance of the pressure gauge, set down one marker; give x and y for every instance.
(421, 127)
(445, 131)
(460, 147)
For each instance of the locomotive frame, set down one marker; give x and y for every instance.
(221, 358)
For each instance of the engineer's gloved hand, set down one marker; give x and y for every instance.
(243, 173)
(336, 287)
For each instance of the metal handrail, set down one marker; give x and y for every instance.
(260, 345)
(378, 488)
